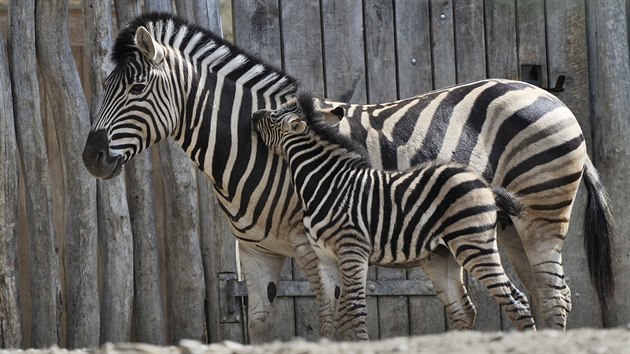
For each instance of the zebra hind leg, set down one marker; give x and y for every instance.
(446, 275)
(478, 254)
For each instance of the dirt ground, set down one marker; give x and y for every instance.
(592, 341)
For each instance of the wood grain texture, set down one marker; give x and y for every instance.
(470, 44)
(609, 72)
(443, 44)
(501, 42)
(10, 321)
(344, 54)
(70, 112)
(44, 258)
(413, 37)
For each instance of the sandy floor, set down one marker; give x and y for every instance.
(595, 341)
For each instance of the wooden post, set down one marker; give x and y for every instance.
(114, 228)
(609, 72)
(147, 301)
(10, 321)
(72, 122)
(44, 258)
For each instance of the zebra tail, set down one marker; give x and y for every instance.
(507, 201)
(599, 233)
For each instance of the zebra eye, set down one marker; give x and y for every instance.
(137, 89)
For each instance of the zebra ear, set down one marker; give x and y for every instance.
(297, 126)
(333, 115)
(148, 46)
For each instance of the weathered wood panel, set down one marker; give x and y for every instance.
(470, 44)
(609, 69)
(10, 321)
(443, 44)
(44, 261)
(72, 122)
(501, 42)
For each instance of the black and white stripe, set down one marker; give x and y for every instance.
(358, 215)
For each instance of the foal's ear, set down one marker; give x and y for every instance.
(333, 115)
(148, 46)
(297, 126)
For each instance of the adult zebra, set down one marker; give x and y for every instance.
(174, 78)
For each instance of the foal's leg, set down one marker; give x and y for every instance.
(352, 312)
(446, 275)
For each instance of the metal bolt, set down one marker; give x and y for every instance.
(237, 318)
(224, 318)
(577, 295)
(413, 61)
(371, 287)
(442, 16)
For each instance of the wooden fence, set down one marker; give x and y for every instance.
(366, 51)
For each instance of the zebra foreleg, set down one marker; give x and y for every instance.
(352, 314)
(446, 275)
(262, 274)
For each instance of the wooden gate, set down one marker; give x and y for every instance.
(375, 51)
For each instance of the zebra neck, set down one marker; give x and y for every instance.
(314, 163)
(223, 86)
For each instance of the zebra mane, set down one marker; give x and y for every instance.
(125, 45)
(320, 127)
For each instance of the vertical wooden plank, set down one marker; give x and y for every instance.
(443, 43)
(72, 122)
(381, 87)
(567, 55)
(257, 30)
(413, 37)
(302, 44)
(609, 72)
(501, 46)
(303, 59)
(470, 41)
(44, 259)
(532, 49)
(10, 317)
(344, 54)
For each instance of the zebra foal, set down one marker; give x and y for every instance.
(355, 215)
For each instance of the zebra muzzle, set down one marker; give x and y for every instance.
(97, 159)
